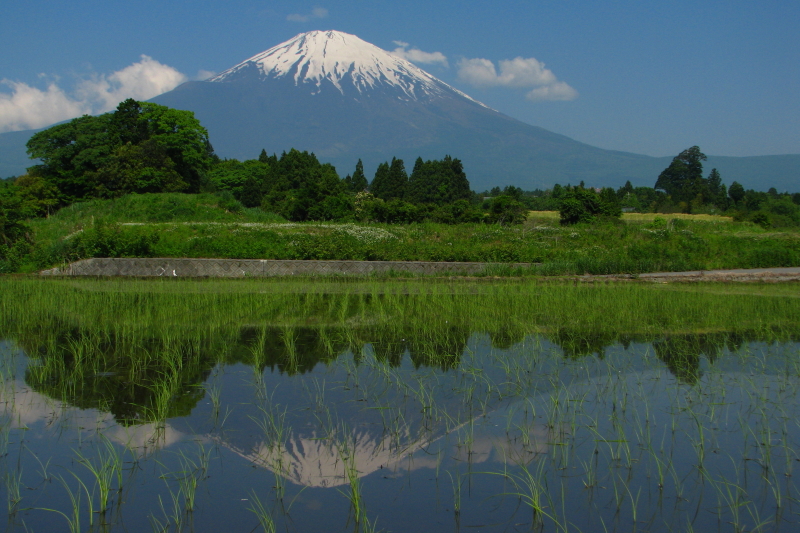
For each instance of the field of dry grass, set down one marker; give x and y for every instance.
(638, 217)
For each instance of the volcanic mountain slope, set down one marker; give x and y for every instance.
(342, 98)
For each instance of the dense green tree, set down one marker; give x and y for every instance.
(358, 182)
(505, 210)
(391, 180)
(13, 213)
(439, 182)
(379, 184)
(683, 178)
(625, 190)
(717, 193)
(736, 192)
(39, 196)
(585, 205)
(140, 147)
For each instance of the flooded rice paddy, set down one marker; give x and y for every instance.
(398, 406)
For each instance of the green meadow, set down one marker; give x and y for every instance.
(204, 225)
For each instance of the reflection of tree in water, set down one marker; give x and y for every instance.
(137, 379)
(299, 349)
(507, 337)
(578, 343)
(681, 353)
(289, 349)
(149, 374)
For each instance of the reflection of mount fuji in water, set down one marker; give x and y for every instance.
(312, 460)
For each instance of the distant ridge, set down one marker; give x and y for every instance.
(342, 98)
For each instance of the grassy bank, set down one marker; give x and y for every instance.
(175, 225)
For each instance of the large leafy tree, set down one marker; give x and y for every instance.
(140, 147)
(683, 178)
(13, 213)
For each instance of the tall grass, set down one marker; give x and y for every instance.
(175, 225)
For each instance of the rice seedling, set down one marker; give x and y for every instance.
(74, 518)
(13, 484)
(347, 455)
(264, 517)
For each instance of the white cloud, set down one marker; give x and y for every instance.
(415, 55)
(28, 107)
(518, 72)
(555, 91)
(316, 13)
(142, 80)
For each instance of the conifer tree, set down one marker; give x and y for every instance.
(359, 181)
(380, 181)
(391, 180)
(398, 180)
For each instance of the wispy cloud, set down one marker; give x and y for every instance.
(316, 13)
(415, 55)
(204, 75)
(519, 73)
(27, 107)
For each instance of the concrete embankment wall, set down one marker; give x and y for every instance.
(240, 268)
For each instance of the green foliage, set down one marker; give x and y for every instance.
(13, 213)
(505, 210)
(358, 182)
(140, 147)
(438, 182)
(390, 181)
(579, 205)
(736, 192)
(99, 240)
(683, 179)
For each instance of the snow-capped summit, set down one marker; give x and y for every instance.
(337, 59)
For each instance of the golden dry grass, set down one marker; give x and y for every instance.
(639, 217)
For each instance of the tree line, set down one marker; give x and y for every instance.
(143, 147)
(680, 188)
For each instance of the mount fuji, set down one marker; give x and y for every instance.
(342, 98)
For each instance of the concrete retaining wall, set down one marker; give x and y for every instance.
(240, 268)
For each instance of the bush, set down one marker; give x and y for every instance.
(579, 205)
(505, 210)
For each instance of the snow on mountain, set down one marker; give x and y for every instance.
(317, 58)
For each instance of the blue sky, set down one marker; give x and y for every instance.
(640, 76)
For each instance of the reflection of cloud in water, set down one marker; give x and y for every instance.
(25, 407)
(503, 448)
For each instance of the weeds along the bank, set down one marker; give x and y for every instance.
(174, 226)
